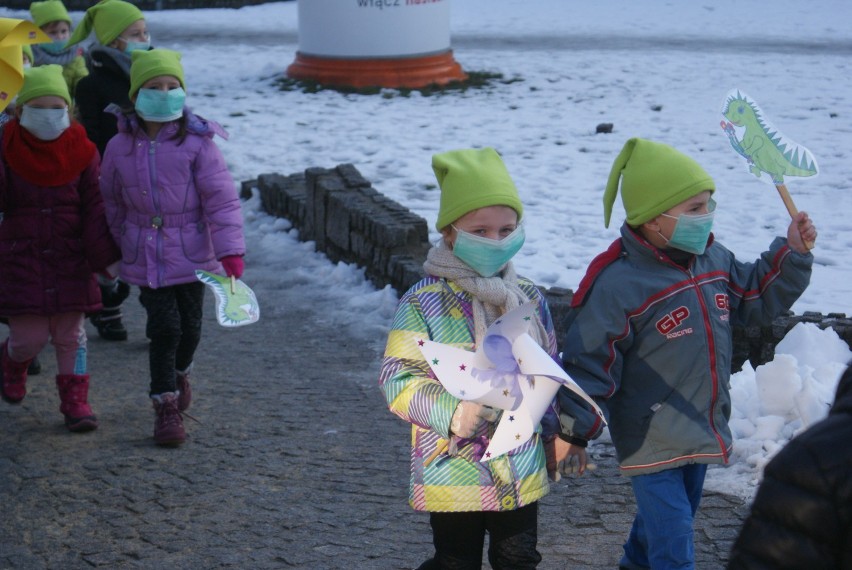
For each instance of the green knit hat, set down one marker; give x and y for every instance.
(44, 80)
(109, 18)
(471, 179)
(49, 11)
(28, 51)
(654, 177)
(153, 63)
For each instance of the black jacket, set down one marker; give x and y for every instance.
(108, 82)
(802, 515)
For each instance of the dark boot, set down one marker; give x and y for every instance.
(14, 377)
(168, 426)
(184, 389)
(74, 394)
(109, 325)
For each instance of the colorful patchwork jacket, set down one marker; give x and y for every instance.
(439, 310)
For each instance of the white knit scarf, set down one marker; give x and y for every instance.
(492, 296)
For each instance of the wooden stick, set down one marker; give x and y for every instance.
(441, 448)
(233, 284)
(791, 207)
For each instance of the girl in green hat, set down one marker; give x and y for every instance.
(649, 336)
(53, 19)
(470, 282)
(119, 29)
(173, 207)
(56, 238)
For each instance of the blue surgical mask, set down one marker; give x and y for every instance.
(55, 47)
(692, 232)
(487, 256)
(160, 106)
(45, 124)
(133, 46)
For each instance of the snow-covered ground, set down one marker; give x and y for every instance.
(658, 69)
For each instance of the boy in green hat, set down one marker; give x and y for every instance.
(649, 336)
(53, 19)
(119, 29)
(470, 282)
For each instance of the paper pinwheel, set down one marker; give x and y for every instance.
(763, 146)
(13, 34)
(509, 371)
(236, 304)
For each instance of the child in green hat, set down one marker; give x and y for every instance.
(53, 19)
(649, 336)
(53, 215)
(470, 283)
(119, 29)
(185, 205)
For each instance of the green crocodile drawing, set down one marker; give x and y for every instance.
(762, 145)
(232, 309)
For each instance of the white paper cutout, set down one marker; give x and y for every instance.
(509, 371)
(234, 308)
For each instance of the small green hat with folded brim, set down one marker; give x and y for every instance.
(44, 80)
(49, 11)
(471, 179)
(153, 63)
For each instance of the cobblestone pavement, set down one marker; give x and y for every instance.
(296, 463)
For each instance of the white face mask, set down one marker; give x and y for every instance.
(45, 124)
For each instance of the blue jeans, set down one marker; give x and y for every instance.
(662, 533)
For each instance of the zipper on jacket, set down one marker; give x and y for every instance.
(711, 349)
(155, 196)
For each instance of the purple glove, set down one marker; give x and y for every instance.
(233, 265)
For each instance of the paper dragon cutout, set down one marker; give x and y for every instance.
(509, 371)
(763, 146)
(236, 304)
(13, 34)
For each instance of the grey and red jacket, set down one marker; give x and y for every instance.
(171, 203)
(651, 341)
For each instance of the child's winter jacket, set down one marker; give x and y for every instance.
(171, 204)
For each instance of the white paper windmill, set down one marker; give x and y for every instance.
(509, 371)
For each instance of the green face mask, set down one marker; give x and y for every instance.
(487, 256)
(692, 232)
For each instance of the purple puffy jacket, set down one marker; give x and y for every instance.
(172, 206)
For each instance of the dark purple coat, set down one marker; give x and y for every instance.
(52, 239)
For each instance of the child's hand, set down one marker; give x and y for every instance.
(233, 265)
(564, 458)
(469, 416)
(801, 234)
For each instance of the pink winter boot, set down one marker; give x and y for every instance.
(74, 393)
(168, 426)
(14, 377)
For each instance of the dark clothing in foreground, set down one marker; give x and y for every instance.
(802, 514)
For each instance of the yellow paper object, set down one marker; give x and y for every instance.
(14, 34)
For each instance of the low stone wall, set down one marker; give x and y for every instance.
(351, 221)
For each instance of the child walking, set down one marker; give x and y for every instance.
(53, 237)
(650, 336)
(53, 19)
(173, 208)
(119, 29)
(470, 282)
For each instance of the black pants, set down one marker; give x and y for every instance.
(174, 327)
(459, 538)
